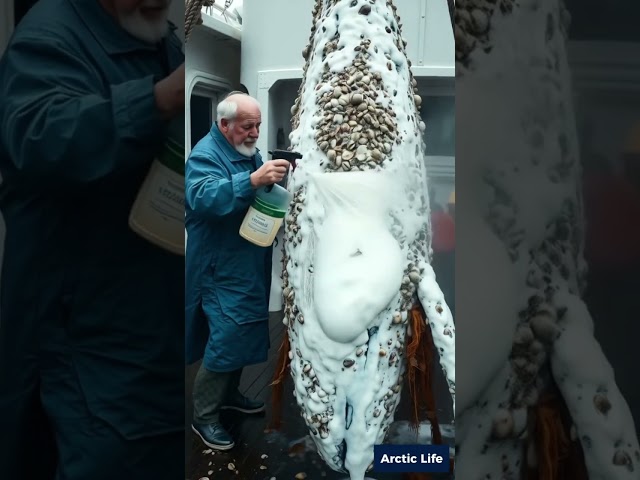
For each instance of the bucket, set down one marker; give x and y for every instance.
(158, 211)
(265, 215)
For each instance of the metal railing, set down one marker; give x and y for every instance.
(224, 12)
(195, 9)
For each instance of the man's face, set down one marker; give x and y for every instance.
(243, 132)
(144, 19)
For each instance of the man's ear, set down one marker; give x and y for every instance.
(224, 124)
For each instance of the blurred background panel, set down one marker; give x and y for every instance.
(604, 54)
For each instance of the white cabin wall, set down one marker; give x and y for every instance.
(212, 56)
(276, 31)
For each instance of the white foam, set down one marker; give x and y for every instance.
(485, 325)
(508, 89)
(380, 213)
(355, 257)
(580, 378)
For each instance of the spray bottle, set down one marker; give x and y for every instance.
(265, 215)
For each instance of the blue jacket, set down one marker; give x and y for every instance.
(78, 132)
(228, 278)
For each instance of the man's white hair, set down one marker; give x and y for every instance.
(228, 108)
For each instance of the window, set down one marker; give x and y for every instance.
(439, 114)
(202, 116)
(201, 112)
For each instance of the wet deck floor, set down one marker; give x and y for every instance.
(288, 452)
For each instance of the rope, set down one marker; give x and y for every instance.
(419, 351)
(193, 15)
(282, 368)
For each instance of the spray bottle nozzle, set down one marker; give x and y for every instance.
(287, 155)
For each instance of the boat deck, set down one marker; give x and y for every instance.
(288, 453)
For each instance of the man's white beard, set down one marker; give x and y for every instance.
(246, 150)
(143, 29)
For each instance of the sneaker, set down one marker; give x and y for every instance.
(214, 436)
(243, 404)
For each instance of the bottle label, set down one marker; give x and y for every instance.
(158, 212)
(259, 223)
(167, 195)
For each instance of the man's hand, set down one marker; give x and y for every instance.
(271, 172)
(169, 93)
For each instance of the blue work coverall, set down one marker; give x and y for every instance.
(228, 279)
(91, 330)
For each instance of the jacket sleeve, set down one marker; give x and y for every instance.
(211, 192)
(55, 123)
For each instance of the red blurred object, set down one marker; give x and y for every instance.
(444, 232)
(612, 209)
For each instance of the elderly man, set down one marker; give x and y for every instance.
(91, 349)
(228, 278)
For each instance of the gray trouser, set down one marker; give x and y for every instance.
(210, 392)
